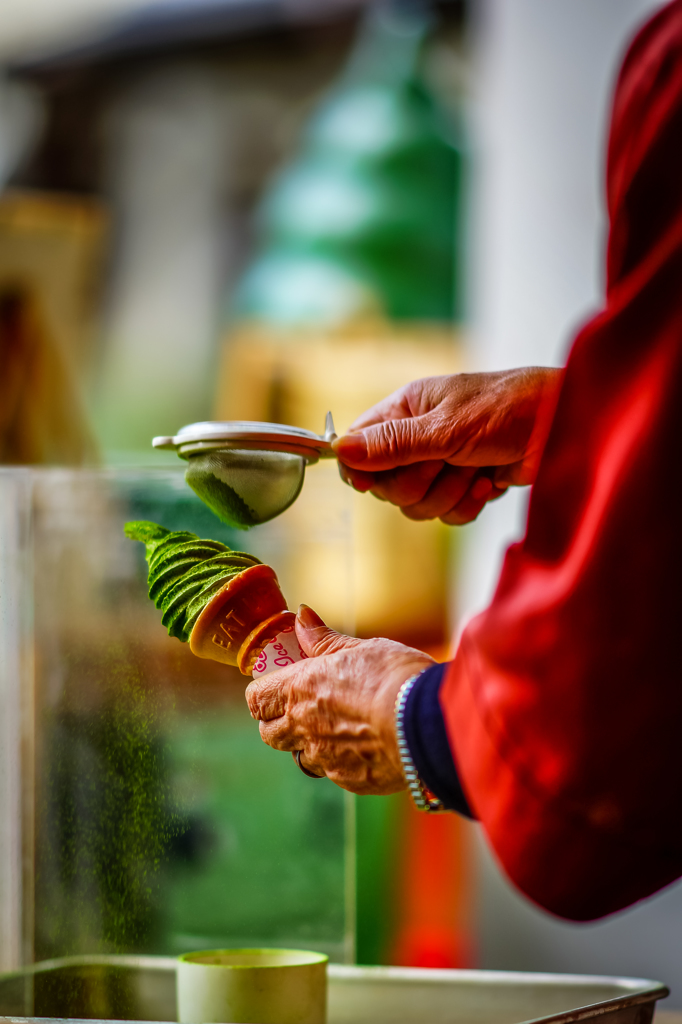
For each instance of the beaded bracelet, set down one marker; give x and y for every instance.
(423, 798)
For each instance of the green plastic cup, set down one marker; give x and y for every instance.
(252, 986)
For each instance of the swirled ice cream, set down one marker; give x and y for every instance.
(185, 572)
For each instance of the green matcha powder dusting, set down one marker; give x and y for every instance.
(185, 572)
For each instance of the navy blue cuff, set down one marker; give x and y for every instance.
(428, 742)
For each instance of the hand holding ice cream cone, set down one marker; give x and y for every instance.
(336, 710)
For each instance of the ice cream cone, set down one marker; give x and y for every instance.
(233, 618)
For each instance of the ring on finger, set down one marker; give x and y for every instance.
(296, 754)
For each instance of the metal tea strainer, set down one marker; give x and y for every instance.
(248, 472)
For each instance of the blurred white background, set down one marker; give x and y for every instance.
(544, 71)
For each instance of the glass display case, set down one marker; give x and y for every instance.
(139, 809)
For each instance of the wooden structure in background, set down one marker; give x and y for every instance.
(50, 259)
(273, 376)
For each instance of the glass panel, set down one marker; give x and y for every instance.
(161, 822)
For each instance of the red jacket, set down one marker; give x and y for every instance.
(564, 702)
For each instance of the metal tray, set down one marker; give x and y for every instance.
(142, 988)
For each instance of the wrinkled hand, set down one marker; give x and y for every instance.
(441, 447)
(338, 707)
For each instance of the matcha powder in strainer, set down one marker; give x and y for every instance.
(222, 499)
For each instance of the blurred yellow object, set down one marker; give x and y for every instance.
(50, 255)
(400, 571)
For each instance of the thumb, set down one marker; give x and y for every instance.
(393, 443)
(316, 638)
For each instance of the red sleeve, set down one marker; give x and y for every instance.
(564, 702)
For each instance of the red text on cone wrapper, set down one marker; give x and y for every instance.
(278, 653)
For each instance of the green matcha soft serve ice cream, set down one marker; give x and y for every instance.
(185, 572)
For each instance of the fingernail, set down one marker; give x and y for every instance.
(351, 447)
(308, 618)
